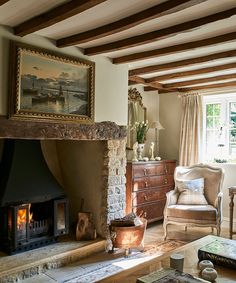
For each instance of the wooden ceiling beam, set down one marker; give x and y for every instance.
(158, 34)
(154, 85)
(192, 72)
(140, 80)
(154, 12)
(3, 2)
(200, 81)
(175, 48)
(55, 15)
(219, 85)
(182, 63)
(149, 88)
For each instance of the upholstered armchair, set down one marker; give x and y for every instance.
(196, 199)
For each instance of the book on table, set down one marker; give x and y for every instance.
(220, 251)
(169, 275)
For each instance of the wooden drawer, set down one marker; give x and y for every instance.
(154, 181)
(148, 170)
(150, 195)
(151, 212)
(144, 170)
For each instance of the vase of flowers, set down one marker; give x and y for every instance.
(141, 130)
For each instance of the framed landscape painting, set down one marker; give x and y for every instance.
(45, 85)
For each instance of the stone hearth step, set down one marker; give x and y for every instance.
(27, 264)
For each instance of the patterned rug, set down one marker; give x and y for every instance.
(116, 262)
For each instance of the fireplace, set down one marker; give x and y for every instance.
(33, 206)
(88, 159)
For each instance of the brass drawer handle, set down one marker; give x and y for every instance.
(146, 184)
(145, 171)
(166, 181)
(145, 197)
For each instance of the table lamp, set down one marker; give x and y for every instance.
(157, 126)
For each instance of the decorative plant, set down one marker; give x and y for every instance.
(141, 130)
(218, 160)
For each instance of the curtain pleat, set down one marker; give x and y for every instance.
(191, 130)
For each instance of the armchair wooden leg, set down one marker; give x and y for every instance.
(186, 228)
(218, 231)
(165, 229)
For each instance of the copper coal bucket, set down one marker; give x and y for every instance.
(128, 237)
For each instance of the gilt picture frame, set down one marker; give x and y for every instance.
(47, 85)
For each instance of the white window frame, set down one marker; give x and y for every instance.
(224, 100)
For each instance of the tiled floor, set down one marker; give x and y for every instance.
(100, 265)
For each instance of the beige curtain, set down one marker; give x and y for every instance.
(191, 130)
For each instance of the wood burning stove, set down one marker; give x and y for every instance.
(29, 226)
(33, 207)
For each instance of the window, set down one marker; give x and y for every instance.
(219, 128)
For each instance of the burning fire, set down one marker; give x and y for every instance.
(22, 217)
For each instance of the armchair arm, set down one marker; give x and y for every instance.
(171, 197)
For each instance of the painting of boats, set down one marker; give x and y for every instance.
(31, 90)
(54, 86)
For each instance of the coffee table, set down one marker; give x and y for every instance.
(225, 275)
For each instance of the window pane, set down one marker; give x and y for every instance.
(232, 114)
(233, 107)
(209, 122)
(217, 108)
(209, 109)
(217, 122)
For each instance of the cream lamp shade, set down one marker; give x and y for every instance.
(157, 126)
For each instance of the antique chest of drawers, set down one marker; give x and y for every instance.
(146, 187)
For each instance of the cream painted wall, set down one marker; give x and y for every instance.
(81, 165)
(49, 150)
(170, 117)
(111, 81)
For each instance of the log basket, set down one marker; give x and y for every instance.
(127, 237)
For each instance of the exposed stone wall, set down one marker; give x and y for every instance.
(114, 189)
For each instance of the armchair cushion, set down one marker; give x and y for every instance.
(193, 212)
(191, 192)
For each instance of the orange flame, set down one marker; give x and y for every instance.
(22, 217)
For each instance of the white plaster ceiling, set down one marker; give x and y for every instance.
(15, 12)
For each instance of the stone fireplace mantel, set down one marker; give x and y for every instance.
(24, 129)
(106, 165)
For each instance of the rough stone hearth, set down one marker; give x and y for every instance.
(27, 264)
